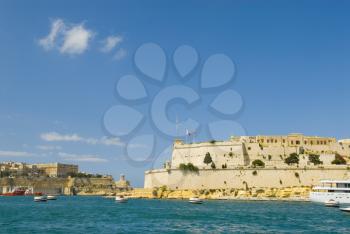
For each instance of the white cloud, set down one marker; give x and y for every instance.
(48, 42)
(15, 154)
(81, 157)
(49, 147)
(110, 43)
(57, 137)
(120, 54)
(68, 38)
(76, 40)
(54, 136)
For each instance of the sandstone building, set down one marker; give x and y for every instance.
(232, 163)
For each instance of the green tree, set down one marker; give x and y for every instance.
(207, 158)
(258, 163)
(339, 160)
(315, 159)
(292, 159)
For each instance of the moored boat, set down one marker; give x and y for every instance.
(331, 203)
(51, 197)
(15, 192)
(337, 190)
(40, 198)
(195, 200)
(345, 209)
(121, 199)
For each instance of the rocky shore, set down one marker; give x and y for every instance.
(279, 194)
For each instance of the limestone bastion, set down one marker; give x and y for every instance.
(244, 162)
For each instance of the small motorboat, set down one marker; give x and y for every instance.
(345, 209)
(331, 203)
(195, 200)
(40, 198)
(121, 199)
(51, 197)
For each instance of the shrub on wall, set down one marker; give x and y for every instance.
(213, 165)
(224, 166)
(315, 159)
(292, 159)
(339, 160)
(207, 158)
(258, 163)
(255, 173)
(212, 141)
(188, 167)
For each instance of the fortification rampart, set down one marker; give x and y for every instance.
(242, 178)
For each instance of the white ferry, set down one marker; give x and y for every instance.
(336, 190)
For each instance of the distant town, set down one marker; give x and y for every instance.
(16, 169)
(56, 178)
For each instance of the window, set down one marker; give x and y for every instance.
(305, 142)
(284, 141)
(268, 141)
(275, 141)
(297, 142)
(292, 142)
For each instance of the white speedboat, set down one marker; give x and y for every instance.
(51, 197)
(195, 200)
(337, 190)
(40, 198)
(345, 209)
(121, 199)
(331, 203)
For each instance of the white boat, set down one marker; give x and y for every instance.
(40, 198)
(345, 209)
(51, 197)
(195, 200)
(121, 199)
(331, 203)
(336, 190)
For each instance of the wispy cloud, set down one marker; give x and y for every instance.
(49, 147)
(110, 43)
(48, 42)
(120, 54)
(81, 157)
(57, 137)
(15, 153)
(68, 38)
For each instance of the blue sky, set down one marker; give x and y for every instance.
(291, 70)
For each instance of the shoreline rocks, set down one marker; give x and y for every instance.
(256, 194)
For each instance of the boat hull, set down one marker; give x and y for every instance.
(40, 199)
(347, 209)
(323, 197)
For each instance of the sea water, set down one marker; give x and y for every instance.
(101, 215)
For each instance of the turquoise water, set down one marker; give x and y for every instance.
(101, 215)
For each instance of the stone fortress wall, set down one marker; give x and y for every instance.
(55, 185)
(233, 160)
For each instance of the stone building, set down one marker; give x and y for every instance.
(57, 169)
(231, 162)
(272, 150)
(122, 183)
